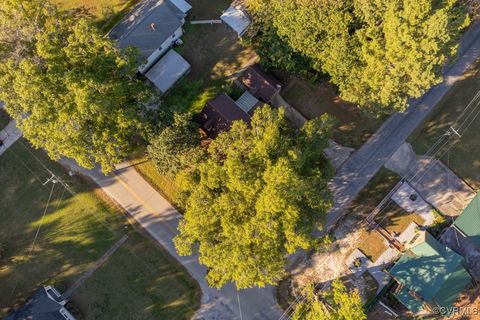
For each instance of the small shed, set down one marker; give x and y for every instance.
(236, 18)
(168, 70)
(260, 84)
(219, 114)
(429, 274)
(469, 221)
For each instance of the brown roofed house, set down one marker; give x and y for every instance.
(260, 84)
(218, 115)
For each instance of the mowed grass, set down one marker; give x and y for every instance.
(464, 157)
(140, 281)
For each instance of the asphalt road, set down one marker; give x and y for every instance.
(160, 220)
(357, 171)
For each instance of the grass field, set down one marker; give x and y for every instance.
(140, 281)
(464, 157)
(106, 13)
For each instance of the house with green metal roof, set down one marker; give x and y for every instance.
(429, 275)
(468, 222)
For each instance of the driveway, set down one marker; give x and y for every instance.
(160, 220)
(357, 171)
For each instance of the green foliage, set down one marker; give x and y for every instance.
(379, 53)
(70, 89)
(256, 197)
(337, 304)
(176, 147)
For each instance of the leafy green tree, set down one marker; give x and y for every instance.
(177, 147)
(70, 89)
(336, 304)
(257, 196)
(379, 53)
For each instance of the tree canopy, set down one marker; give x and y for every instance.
(258, 195)
(70, 89)
(336, 304)
(176, 147)
(378, 52)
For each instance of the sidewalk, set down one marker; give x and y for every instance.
(9, 135)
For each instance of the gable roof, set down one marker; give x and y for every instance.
(260, 84)
(432, 271)
(135, 29)
(219, 114)
(469, 221)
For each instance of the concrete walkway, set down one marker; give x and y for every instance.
(160, 220)
(9, 135)
(357, 171)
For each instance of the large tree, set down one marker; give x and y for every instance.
(177, 146)
(378, 52)
(257, 196)
(339, 303)
(70, 89)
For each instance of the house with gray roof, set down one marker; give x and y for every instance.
(154, 27)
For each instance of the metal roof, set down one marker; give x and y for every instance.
(469, 221)
(432, 271)
(183, 5)
(236, 19)
(168, 70)
(136, 28)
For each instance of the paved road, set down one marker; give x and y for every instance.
(160, 220)
(355, 173)
(9, 135)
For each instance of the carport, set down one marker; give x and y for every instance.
(168, 70)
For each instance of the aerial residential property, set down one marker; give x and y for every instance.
(239, 160)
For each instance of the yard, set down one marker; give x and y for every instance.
(371, 243)
(464, 157)
(140, 281)
(106, 13)
(312, 100)
(395, 219)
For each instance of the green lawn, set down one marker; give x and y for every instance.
(140, 281)
(464, 157)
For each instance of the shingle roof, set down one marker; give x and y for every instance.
(219, 114)
(433, 271)
(260, 84)
(469, 221)
(135, 29)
